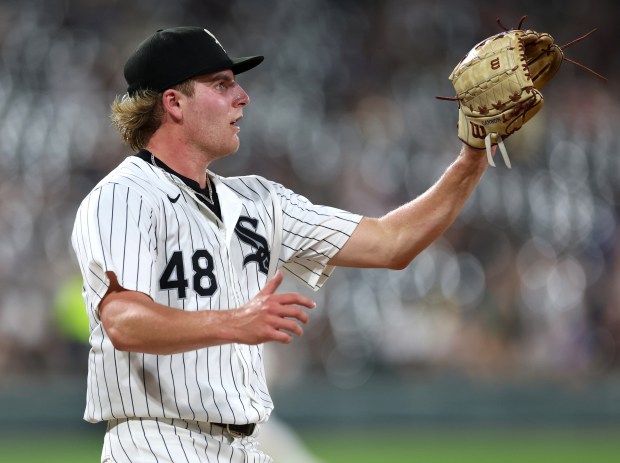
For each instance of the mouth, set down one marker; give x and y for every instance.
(235, 123)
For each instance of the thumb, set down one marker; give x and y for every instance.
(272, 284)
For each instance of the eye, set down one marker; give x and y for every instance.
(224, 84)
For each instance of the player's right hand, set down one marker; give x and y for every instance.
(270, 316)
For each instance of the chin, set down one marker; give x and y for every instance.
(234, 148)
(223, 150)
(228, 152)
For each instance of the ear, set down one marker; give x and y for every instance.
(171, 104)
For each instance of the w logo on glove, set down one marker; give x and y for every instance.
(477, 131)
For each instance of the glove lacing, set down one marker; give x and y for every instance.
(502, 149)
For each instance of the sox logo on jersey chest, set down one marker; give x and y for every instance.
(258, 242)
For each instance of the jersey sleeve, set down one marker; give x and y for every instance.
(114, 232)
(311, 236)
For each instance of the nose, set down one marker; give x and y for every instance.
(242, 98)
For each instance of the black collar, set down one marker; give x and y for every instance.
(145, 155)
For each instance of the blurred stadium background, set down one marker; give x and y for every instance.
(508, 326)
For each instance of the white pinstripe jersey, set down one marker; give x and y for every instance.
(159, 239)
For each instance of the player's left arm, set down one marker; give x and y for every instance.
(395, 239)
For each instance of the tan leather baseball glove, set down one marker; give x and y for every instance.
(498, 84)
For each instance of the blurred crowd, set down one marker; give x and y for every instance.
(526, 282)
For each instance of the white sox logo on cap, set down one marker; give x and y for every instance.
(216, 40)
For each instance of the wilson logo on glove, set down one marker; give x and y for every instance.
(478, 131)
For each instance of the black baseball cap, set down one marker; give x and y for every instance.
(171, 56)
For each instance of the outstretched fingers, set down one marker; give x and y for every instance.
(291, 312)
(270, 316)
(268, 294)
(288, 325)
(272, 284)
(293, 299)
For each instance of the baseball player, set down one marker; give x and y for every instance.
(181, 266)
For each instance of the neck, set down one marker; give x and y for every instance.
(186, 162)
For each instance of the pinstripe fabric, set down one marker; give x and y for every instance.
(146, 440)
(159, 239)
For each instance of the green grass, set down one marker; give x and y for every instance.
(479, 446)
(437, 446)
(51, 448)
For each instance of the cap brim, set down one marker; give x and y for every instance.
(245, 64)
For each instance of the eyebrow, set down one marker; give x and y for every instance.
(221, 76)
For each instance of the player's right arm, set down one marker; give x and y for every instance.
(135, 323)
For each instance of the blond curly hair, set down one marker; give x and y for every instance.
(138, 116)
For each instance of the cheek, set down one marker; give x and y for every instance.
(212, 116)
(214, 132)
(203, 122)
